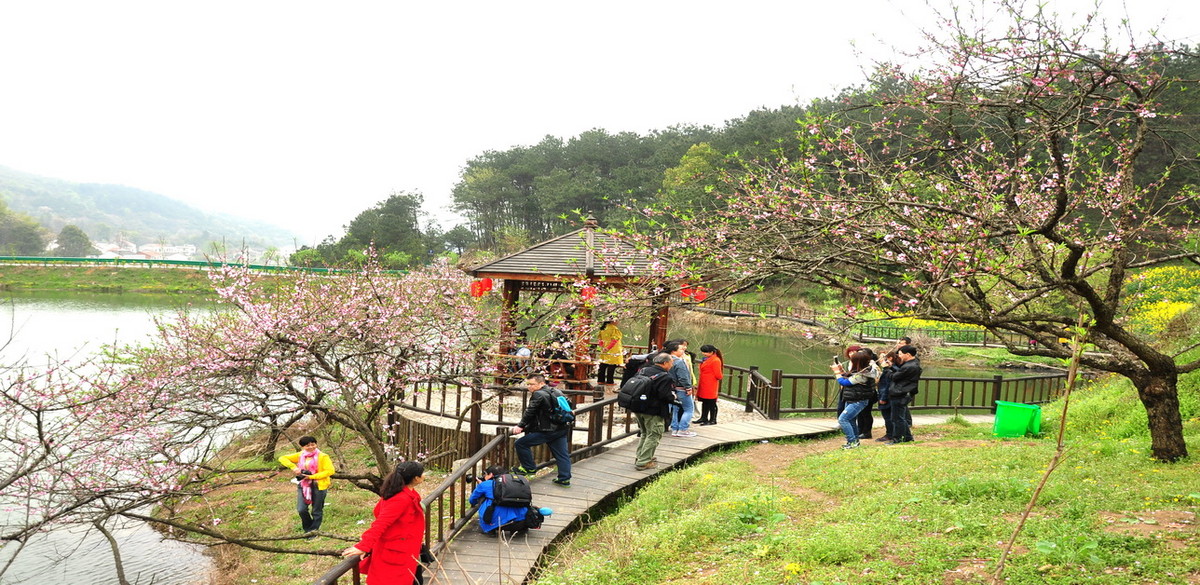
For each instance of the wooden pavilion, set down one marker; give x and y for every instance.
(580, 259)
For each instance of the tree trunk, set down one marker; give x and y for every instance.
(1160, 396)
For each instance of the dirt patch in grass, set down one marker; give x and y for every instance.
(969, 571)
(770, 460)
(956, 444)
(1150, 522)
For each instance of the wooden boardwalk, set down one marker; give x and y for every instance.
(476, 559)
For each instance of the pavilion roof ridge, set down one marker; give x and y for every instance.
(566, 255)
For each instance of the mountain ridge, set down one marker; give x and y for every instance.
(105, 212)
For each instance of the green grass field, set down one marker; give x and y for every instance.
(135, 279)
(934, 511)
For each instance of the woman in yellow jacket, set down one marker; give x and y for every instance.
(612, 353)
(313, 470)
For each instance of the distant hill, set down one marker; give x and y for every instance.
(105, 212)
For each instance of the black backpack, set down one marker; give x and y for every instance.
(511, 490)
(635, 396)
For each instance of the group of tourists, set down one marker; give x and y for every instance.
(662, 386)
(665, 394)
(867, 379)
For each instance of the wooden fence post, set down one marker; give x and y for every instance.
(475, 436)
(997, 385)
(595, 419)
(776, 394)
(752, 390)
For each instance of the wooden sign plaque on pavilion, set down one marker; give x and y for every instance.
(572, 257)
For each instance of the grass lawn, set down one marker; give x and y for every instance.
(106, 279)
(934, 511)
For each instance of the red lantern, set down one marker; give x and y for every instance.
(588, 292)
(687, 292)
(486, 283)
(477, 288)
(700, 294)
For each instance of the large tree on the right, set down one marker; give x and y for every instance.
(1015, 180)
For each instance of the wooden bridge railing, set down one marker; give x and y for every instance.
(447, 509)
(951, 336)
(781, 394)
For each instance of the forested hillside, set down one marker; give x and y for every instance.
(529, 193)
(105, 211)
(20, 235)
(519, 196)
(526, 194)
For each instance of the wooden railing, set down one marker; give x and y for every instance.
(447, 508)
(951, 336)
(781, 394)
(734, 308)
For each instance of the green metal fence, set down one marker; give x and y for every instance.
(192, 264)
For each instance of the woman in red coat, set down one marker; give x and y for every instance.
(392, 545)
(711, 372)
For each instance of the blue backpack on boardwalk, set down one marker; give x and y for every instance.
(563, 412)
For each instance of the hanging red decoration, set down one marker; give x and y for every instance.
(588, 292)
(700, 293)
(486, 284)
(687, 292)
(477, 289)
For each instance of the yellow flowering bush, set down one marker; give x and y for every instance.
(1152, 318)
(1164, 283)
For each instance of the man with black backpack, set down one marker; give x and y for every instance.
(652, 405)
(538, 424)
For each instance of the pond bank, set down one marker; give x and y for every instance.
(106, 279)
(804, 339)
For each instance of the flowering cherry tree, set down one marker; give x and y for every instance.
(339, 350)
(145, 432)
(1016, 182)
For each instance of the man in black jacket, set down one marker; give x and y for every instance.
(653, 409)
(905, 377)
(539, 429)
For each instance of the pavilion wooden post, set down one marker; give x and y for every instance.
(508, 323)
(583, 343)
(661, 311)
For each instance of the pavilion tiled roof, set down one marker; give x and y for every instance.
(609, 256)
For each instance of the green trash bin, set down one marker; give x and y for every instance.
(1014, 419)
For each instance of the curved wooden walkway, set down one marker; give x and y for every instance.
(475, 559)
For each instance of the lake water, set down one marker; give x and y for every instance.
(66, 325)
(788, 352)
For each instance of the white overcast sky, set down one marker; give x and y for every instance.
(305, 113)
